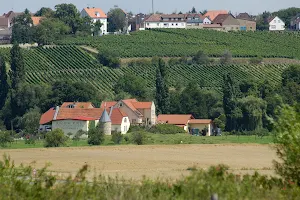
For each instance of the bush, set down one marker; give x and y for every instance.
(226, 58)
(255, 60)
(55, 138)
(288, 144)
(138, 137)
(5, 137)
(96, 136)
(109, 59)
(117, 137)
(30, 139)
(135, 128)
(166, 129)
(201, 58)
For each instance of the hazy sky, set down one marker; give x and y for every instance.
(167, 6)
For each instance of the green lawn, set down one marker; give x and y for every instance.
(152, 139)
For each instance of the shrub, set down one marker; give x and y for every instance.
(96, 136)
(138, 137)
(30, 139)
(288, 144)
(201, 58)
(55, 138)
(117, 137)
(109, 59)
(134, 128)
(166, 129)
(255, 60)
(5, 137)
(226, 58)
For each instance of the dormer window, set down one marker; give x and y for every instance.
(121, 104)
(97, 14)
(71, 106)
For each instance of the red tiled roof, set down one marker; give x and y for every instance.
(153, 18)
(212, 14)
(78, 104)
(36, 20)
(76, 113)
(92, 12)
(47, 117)
(200, 121)
(142, 105)
(117, 116)
(175, 119)
(108, 104)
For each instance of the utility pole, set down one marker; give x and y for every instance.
(152, 7)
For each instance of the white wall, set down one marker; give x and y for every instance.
(70, 126)
(165, 25)
(206, 21)
(276, 25)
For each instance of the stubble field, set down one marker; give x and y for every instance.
(163, 161)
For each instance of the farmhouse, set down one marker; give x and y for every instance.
(276, 24)
(165, 21)
(188, 123)
(139, 113)
(228, 22)
(96, 14)
(72, 117)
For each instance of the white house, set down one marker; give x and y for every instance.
(206, 20)
(96, 14)
(276, 24)
(142, 113)
(165, 21)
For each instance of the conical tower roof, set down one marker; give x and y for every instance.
(105, 117)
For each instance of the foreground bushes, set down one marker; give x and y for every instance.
(21, 183)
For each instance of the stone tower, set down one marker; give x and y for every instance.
(105, 123)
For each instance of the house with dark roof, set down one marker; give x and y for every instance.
(96, 14)
(295, 22)
(228, 22)
(244, 16)
(139, 113)
(72, 117)
(194, 20)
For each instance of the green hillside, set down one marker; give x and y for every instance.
(176, 43)
(44, 65)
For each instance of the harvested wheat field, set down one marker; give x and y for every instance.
(164, 161)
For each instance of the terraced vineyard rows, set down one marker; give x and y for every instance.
(45, 65)
(176, 43)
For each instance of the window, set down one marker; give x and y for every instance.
(273, 27)
(157, 24)
(125, 120)
(176, 24)
(251, 28)
(147, 24)
(172, 24)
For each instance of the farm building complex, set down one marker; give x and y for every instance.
(72, 117)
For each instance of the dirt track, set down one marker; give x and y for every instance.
(152, 161)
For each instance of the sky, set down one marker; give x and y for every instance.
(167, 6)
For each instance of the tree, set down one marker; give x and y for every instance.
(162, 90)
(253, 110)
(5, 138)
(193, 10)
(86, 26)
(68, 14)
(201, 58)
(22, 31)
(45, 12)
(116, 20)
(17, 67)
(4, 86)
(230, 97)
(96, 27)
(291, 84)
(30, 121)
(109, 59)
(55, 138)
(133, 85)
(288, 144)
(50, 30)
(96, 136)
(226, 58)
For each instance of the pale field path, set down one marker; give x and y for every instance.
(164, 161)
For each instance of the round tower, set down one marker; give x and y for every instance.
(105, 123)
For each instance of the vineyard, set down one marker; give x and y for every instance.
(177, 43)
(45, 65)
